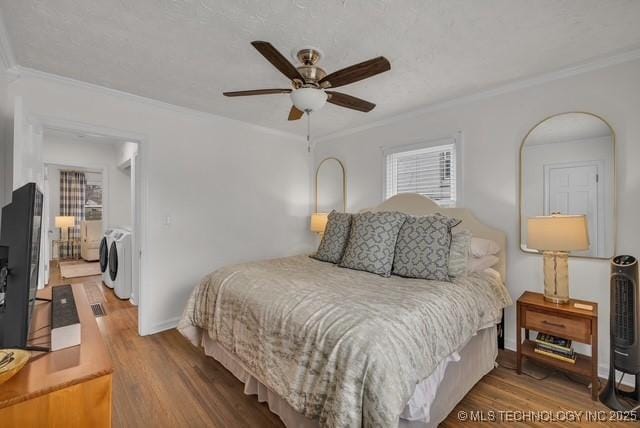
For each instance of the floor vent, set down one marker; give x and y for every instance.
(98, 310)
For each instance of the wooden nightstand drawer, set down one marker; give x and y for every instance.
(557, 325)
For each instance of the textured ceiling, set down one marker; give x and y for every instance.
(186, 52)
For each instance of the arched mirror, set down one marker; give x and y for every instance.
(330, 186)
(567, 166)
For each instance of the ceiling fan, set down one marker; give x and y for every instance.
(311, 84)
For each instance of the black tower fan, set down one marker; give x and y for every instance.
(625, 334)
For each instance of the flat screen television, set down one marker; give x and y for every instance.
(19, 264)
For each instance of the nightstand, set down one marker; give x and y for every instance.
(566, 321)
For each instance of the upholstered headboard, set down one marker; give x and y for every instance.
(414, 204)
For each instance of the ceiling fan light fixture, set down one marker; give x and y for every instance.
(309, 81)
(308, 99)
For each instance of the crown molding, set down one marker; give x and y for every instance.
(17, 72)
(514, 86)
(7, 59)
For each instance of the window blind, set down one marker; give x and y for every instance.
(429, 171)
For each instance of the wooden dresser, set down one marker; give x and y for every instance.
(566, 321)
(66, 388)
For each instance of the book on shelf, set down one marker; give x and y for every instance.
(551, 348)
(554, 342)
(571, 359)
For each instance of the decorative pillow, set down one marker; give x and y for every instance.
(335, 238)
(478, 264)
(459, 253)
(422, 250)
(372, 242)
(481, 247)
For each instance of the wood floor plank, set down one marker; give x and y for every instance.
(163, 381)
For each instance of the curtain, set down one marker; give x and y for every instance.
(73, 186)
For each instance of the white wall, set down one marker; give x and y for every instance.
(233, 192)
(93, 156)
(53, 200)
(493, 129)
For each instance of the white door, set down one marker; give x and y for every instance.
(28, 165)
(574, 189)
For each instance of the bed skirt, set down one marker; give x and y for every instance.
(459, 374)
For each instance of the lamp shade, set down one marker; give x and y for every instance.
(319, 222)
(65, 222)
(558, 233)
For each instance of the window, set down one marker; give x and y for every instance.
(93, 196)
(429, 170)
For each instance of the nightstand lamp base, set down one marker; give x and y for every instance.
(556, 277)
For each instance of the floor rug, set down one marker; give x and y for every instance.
(75, 270)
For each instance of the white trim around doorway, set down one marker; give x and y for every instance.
(139, 226)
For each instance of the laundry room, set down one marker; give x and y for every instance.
(89, 212)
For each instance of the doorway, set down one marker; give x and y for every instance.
(28, 166)
(90, 180)
(86, 228)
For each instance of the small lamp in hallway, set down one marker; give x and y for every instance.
(65, 222)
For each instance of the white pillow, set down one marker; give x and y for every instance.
(459, 253)
(494, 273)
(484, 247)
(478, 264)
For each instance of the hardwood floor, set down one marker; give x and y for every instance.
(163, 381)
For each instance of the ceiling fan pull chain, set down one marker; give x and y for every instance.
(308, 131)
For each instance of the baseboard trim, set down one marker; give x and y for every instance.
(161, 326)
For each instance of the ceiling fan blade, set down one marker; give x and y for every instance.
(348, 101)
(295, 114)
(277, 59)
(256, 92)
(356, 72)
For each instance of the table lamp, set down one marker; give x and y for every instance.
(555, 236)
(65, 222)
(319, 222)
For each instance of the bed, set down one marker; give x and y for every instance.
(329, 346)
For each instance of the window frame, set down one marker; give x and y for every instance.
(455, 140)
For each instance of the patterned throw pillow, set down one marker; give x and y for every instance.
(422, 250)
(334, 240)
(459, 253)
(372, 242)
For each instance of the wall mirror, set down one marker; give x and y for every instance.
(330, 186)
(567, 166)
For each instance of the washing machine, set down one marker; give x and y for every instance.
(120, 258)
(105, 244)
